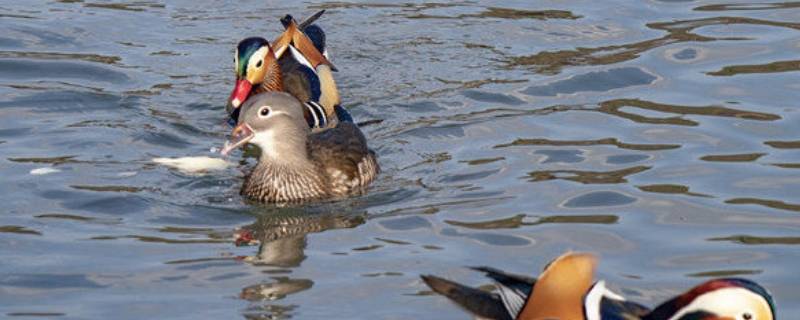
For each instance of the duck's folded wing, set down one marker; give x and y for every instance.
(343, 151)
(478, 302)
(299, 80)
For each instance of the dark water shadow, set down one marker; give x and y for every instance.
(614, 108)
(18, 70)
(604, 141)
(19, 230)
(599, 199)
(504, 13)
(772, 67)
(520, 221)
(755, 240)
(748, 6)
(586, 177)
(774, 204)
(552, 62)
(671, 189)
(595, 81)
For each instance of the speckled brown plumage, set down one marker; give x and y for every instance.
(297, 165)
(338, 164)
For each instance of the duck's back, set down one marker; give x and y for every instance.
(344, 158)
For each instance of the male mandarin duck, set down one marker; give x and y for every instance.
(565, 291)
(297, 165)
(296, 63)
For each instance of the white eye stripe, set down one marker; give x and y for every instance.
(279, 113)
(257, 57)
(300, 58)
(271, 112)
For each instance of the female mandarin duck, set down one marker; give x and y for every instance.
(305, 72)
(295, 164)
(565, 291)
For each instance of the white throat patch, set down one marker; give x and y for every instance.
(266, 140)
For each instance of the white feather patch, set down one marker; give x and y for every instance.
(512, 299)
(593, 299)
(266, 140)
(300, 58)
(193, 165)
(44, 171)
(279, 52)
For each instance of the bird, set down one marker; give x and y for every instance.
(296, 62)
(295, 164)
(565, 290)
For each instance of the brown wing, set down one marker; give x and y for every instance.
(343, 154)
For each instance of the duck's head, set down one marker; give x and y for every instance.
(254, 63)
(274, 122)
(719, 299)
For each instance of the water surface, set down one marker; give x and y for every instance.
(661, 135)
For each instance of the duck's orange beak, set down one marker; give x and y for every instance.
(240, 92)
(240, 135)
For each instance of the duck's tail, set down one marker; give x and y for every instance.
(481, 303)
(286, 20)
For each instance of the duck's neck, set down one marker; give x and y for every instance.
(283, 145)
(273, 79)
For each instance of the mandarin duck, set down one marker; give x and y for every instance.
(296, 63)
(295, 164)
(565, 291)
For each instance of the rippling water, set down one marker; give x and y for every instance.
(660, 134)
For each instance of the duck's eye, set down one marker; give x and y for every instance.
(258, 64)
(264, 112)
(747, 316)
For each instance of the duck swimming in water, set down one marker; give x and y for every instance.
(296, 165)
(565, 291)
(296, 63)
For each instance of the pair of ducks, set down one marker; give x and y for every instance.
(565, 291)
(286, 102)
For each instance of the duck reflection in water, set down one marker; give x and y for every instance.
(280, 234)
